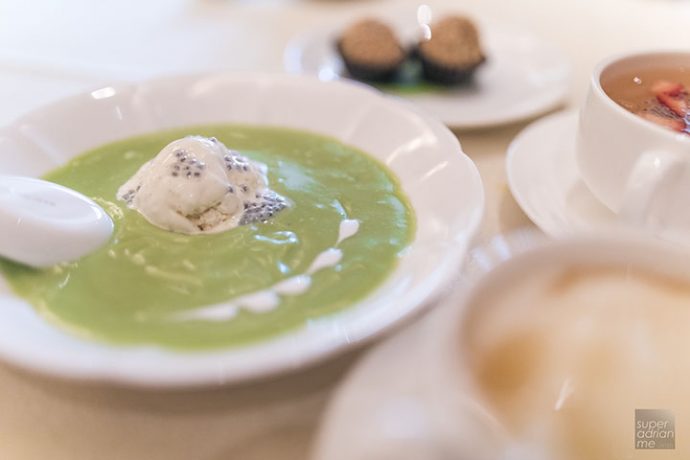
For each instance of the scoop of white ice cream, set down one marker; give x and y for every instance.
(197, 185)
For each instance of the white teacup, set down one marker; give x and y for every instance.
(640, 170)
(418, 397)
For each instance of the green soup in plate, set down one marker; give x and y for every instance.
(143, 287)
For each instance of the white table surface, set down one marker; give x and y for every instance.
(50, 49)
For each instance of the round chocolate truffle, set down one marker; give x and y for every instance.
(453, 52)
(371, 51)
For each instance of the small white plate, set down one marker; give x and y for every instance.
(521, 78)
(545, 181)
(423, 154)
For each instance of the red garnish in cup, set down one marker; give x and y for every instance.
(672, 95)
(667, 87)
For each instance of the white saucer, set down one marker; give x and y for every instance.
(521, 78)
(544, 179)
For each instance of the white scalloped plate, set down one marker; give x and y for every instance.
(424, 155)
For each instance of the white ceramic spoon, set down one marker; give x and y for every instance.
(42, 224)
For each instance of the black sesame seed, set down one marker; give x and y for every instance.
(245, 168)
(174, 174)
(196, 174)
(245, 188)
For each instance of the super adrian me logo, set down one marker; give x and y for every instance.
(655, 429)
